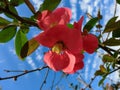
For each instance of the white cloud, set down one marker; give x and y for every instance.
(30, 61)
(74, 10)
(37, 3)
(12, 50)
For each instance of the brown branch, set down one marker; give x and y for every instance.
(18, 17)
(108, 50)
(30, 6)
(24, 73)
(114, 70)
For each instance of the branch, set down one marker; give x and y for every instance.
(47, 72)
(114, 70)
(108, 50)
(18, 17)
(30, 6)
(24, 73)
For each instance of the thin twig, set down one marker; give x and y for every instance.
(115, 8)
(114, 70)
(47, 72)
(30, 6)
(53, 81)
(24, 73)
(106, 49)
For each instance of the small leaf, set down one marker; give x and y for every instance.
(116, 33)
(111, 21)
(108, 58)
(29, 47)
(90, 24)
(20, 40)
(49, 5)
(15, 2)
(99, 72)
(13, 10)
(103, 69)
(112, 25)
(118, 1)
(102, 80)
(7, 34)
(3, 22)
(70, 25)
(112, 42)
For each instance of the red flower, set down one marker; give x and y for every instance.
(71, 38)
(48, 19)
(65, 44)
(90, 41)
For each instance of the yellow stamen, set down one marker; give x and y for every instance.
(57, 48)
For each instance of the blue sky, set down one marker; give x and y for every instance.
(9, 60)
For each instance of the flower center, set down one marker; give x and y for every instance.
(58, 47)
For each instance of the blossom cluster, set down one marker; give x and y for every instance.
(67, 44)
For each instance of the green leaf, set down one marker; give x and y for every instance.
(3, 22)
(112, 25)
(13, 10)
(111, 21)
(116, 33)
(102, 80)
(28, 48)
(7, 34)
(70, 25)
(108, 58)
(16, 2)
(99, 72)
(118, 1)
(20, 40)
(90, 24)
(112, 42)
(49, 5)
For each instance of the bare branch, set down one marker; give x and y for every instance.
(15, 77)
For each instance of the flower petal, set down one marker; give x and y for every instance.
(56, 61)
(63, 15)
(78, 25)
(90, 43)
(77, 65)
(43, 19)
(49, 19)
(52, 36)
(71, 64)
(74, 41)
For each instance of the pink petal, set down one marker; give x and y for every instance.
(90, 43)
(56, 61)
(77, 65)
(42, 19)
(71, 64)
(63, 15)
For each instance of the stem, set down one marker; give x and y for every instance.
(115, 8)
(113, 70)
(30, 6)
(47, 72)
(108, 50)
(24, 73)
(18, 17)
